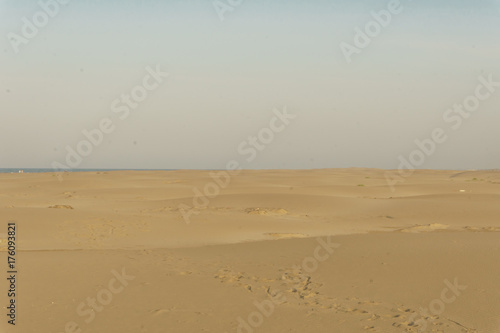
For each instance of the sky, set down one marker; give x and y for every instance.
(225, 69)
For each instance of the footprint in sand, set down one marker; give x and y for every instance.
(228, 276)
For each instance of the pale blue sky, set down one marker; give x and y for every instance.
(227, 76)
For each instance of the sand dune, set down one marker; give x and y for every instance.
(274, 251)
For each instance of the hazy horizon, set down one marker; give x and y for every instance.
(225, 78)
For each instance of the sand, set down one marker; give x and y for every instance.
(331, 250)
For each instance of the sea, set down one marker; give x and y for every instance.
(39, 170)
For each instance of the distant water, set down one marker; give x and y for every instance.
(7, 170)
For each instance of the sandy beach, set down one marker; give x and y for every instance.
(230, 166)
(329, 250)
